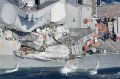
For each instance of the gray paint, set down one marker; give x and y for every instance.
(72, 14)
(89, 62)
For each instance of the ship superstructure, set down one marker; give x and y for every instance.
(54, 33)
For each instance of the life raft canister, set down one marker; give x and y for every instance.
(89, 42)
(85, 48)
(86, 21)
(95, 36)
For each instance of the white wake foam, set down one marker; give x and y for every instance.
(94, 71)
(68, 69)
(13, 70)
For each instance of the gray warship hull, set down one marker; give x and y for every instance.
(10, 63)
(89, 62)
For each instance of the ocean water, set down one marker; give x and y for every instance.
(109, 1)
(44, 73)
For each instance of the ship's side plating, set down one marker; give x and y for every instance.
(70, 31)
(89, 62)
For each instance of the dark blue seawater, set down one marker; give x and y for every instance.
(109, 1)
(44, 73)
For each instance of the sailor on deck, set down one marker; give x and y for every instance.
(29, 10)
